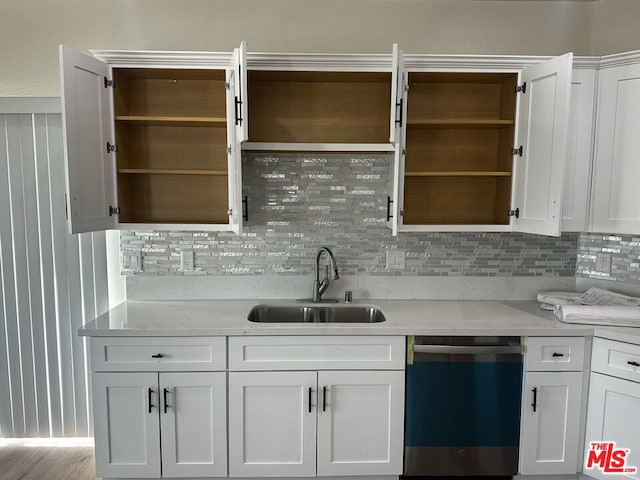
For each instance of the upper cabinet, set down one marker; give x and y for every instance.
(153, 138)
(322, 102)
(484, 148)
(615, 207)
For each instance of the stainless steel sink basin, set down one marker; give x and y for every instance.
(316, 314)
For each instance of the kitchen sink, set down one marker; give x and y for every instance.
(316, 314)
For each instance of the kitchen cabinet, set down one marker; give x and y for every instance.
(322, 102)
(551, 405)
(461, 167)
(152, 139)
(578, 164)
(614, 393)
(304, 420)
(616, 173)
(153, 416)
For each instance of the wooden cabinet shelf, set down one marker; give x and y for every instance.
(172, 120)
(319, 107)
(172, 145)
(459, 123)
(156, 171)
(458, 174)
(458, 164)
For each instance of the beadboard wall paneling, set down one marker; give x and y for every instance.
(51, 282)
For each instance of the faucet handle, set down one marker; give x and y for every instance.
(348, 296)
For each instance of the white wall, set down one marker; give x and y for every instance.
(30, 30)
(616, 26)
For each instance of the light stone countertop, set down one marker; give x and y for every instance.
(180, 318)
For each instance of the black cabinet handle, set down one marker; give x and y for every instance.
(310, 393)
(324, 398)
(150, 393)
(633, 363)
(238, 111)
(556, 354)
(399, 117)
(164, 397)
(389, 202)
(245, 213)
(157, 355)
(534, 405)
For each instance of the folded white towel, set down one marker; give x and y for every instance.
(595, 315)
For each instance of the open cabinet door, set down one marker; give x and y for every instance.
(542, 133)
(395, 95)
(87, 123)
(394, 208)
(241, 104)
(234, 165)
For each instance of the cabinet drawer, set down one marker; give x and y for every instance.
(316, 353)
(554, 353)
(616, 358)
(158, 354)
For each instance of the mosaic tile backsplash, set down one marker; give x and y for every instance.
(625, 257)
(299, 202)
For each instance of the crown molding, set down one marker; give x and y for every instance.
(346, 62)
(620, 59)
(167, 59)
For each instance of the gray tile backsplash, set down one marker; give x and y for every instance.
(299, 202)
(625, 257)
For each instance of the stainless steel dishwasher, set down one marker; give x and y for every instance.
(462, 414)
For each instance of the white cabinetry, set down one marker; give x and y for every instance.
(153, 138)
(316, 422)
(615, 205)
(463, 118)
(614, 400)
(155, 423)
(551, 405)
(577, 169)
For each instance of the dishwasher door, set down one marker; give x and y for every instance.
(463, 406)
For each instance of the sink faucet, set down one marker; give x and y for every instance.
(320, 287)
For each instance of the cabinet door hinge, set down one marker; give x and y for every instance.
(227, 86)
(521, 88)
(109, 83)
(514, 213)
(517, 151)
(111, 147)
(114, 211)
(229, 150)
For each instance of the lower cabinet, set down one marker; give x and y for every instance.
(551, 405)
(550, 423)
(614, 403)
(316, 423)
(152, 425)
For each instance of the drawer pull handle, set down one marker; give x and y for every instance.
(157, 355)
(164, 397)
(633, 363)
(324, 398)
(150, 393)
(556, 354)
(534, 405)
(310, 393)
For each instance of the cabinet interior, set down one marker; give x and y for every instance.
(171, 133)
(460, 132)
(319, 107)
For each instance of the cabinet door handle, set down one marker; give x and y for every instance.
(556, 354)
(534, 405)
(164, 397)
(157, 355)
(310, 393)
(633, 363)
(150, 393)
(324, 398)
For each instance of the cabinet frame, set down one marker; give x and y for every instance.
(530, 223)
(99, 175)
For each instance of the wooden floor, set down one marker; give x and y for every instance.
(39, 460)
